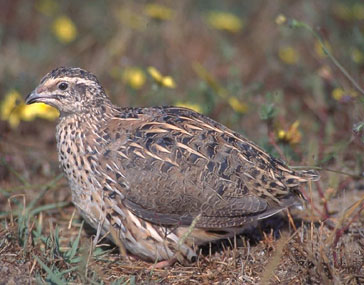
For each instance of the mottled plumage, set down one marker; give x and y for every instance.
(149, 172)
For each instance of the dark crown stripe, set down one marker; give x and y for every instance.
(70, 72)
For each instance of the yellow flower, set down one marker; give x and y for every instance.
(9, 103)
(357, 56)
(159, 12)
(288, 55)
(237, 106)
(337, 94)
(340, 93)
(166, 81)
(46, 7)
(292, 135)
(155, 73)
(281, 19)
(224, 21)
(319, 49)
(41, 110)
(134, 77)
(9, 109)
(13, 110)
(195, 107)
(64, 29)
(281, 134)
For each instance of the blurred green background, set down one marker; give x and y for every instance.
(239, 62)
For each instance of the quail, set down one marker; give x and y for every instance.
(164, 180)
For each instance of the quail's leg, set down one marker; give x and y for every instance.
(163, 264)
(179, 256)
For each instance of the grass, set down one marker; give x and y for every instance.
(296, 93)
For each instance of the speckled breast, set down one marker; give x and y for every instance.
(73, 156)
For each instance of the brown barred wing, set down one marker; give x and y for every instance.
(173, 166)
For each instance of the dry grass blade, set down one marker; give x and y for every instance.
(274, 260)
(357, 206)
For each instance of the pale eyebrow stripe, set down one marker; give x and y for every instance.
(76, 80)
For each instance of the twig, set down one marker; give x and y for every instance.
(356, 176)
(298, 24)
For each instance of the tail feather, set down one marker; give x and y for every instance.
(309, 175)
(302, 176)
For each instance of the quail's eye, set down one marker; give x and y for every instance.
(62, 86)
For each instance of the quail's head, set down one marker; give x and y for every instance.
(70, 90)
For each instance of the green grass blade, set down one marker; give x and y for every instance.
(72, 252)
(54, 278)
